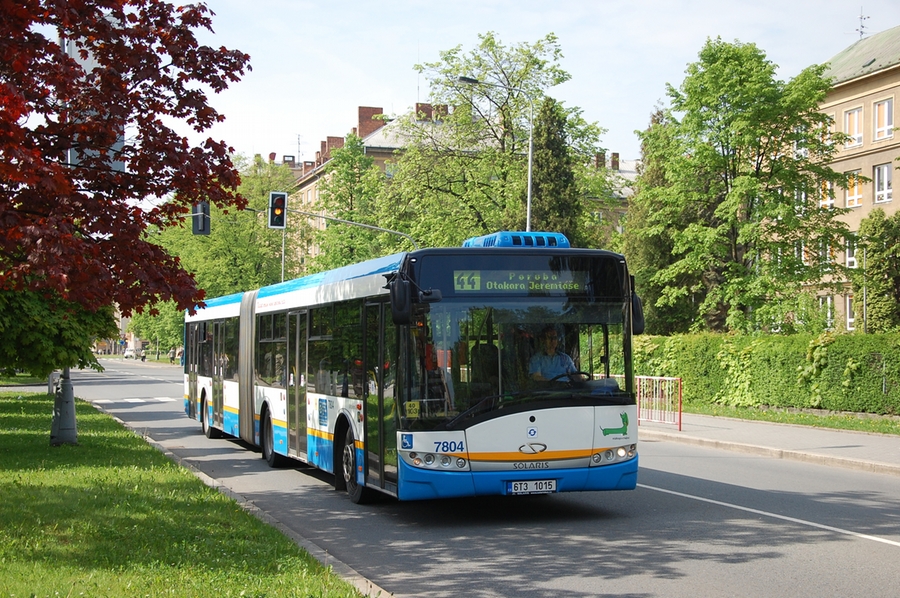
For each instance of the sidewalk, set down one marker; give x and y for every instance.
(877, 453)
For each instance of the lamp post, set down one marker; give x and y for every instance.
(472, 81)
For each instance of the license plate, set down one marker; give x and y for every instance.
(531, 487)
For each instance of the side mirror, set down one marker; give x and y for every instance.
(401, 300)
(430, 296)
(637, 314)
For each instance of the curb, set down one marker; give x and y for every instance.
(806, 457)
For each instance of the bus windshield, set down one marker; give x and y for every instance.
(473, 360)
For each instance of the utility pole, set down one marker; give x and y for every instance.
(63, 429)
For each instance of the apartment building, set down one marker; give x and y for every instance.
(863, 102)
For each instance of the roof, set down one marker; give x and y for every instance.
(868, 55)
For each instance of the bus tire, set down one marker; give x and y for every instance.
(208, 430)
(268, 442)
(358, 493)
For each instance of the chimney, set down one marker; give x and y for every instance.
(332, 143)
(288, 161)
(423, 111)
(615, 161)
(600, 160)
(440, 111)
(271, 156)
(308, 166)
(367, 122)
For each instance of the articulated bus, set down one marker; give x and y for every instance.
(414, 374)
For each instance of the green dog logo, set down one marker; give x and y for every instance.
(623, 430)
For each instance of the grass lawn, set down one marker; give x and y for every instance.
(21, 380)
(114, 517)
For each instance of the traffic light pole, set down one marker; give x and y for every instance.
(369, 226)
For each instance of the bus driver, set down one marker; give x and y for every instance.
(550, 363)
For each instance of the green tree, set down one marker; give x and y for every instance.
(648, 241)
(876, 281)
(165, 329)
(39, 332)
(463, 171)
(241, 252)
(556, 203)
(349, 191)
(749, 199)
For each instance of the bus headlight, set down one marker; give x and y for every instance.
(614, 455)
(429, 459)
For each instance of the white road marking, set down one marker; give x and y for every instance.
(775, 516)
(156, 399)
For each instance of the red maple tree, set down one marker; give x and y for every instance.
(89, 92)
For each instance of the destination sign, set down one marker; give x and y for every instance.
(524, 282)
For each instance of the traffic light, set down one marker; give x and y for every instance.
(200, 218)
(277, 209)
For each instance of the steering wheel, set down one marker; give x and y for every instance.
(570, 375)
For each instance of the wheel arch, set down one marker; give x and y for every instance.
(340, 432)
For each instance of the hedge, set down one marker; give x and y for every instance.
(836, 372)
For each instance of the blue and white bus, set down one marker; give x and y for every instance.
(415, 374)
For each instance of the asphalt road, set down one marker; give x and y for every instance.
(702, 522)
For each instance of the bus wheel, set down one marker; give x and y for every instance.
(268, 443)
(208, 430)
(358, 493)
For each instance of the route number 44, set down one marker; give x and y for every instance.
(467, 280)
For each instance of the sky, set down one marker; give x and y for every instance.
(314, 62)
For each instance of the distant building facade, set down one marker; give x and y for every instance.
(863, 103)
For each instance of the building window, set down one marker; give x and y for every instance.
(851, 253)
(826, 199)
(827, 253)
(883, 183)
(854, 189)
(801, 152)
(826, 305)
(851, 319)
(884, 119)
(853, 126)
(801, 253)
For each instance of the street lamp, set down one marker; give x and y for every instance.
(472, 81)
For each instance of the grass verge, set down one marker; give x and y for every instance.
(820, 419)
(114, 517)
(21, 380)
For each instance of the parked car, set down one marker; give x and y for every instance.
(129, 353)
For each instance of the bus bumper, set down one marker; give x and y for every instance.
(423, 484)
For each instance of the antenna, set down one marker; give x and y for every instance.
(862, 25)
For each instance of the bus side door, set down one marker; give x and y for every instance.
(296, 401)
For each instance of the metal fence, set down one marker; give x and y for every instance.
(659, 399)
